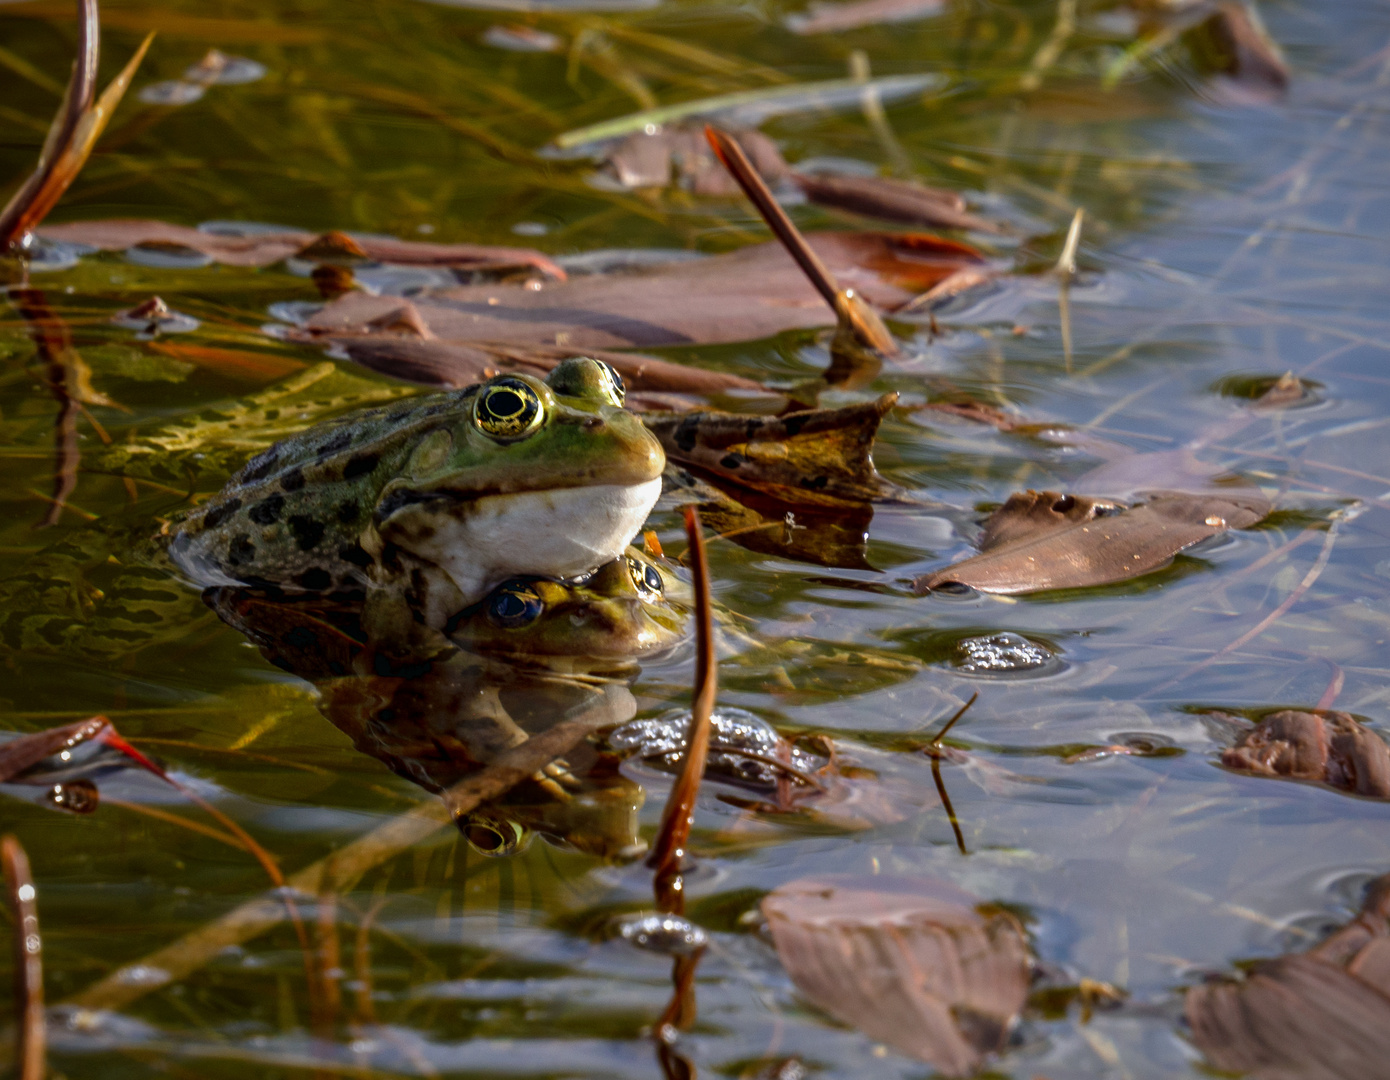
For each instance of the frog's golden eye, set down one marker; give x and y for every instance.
(646, 578)
(514, 605)
(492, 836)
(507, 409)
(588, 377)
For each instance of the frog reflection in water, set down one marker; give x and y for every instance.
(427, 504)
(530, 654)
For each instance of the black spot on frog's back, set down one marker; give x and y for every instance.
(220, 512)
(260, 466)
(241, 552)
(360, 465)
(334, 444)
(307, 531)
(292, 479)
(267, 511)
(349, 511)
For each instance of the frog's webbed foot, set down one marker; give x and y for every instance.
(557, 779)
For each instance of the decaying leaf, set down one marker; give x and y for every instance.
(261, 247)
(1234, 45)
(1042, 540)
(1319, 1015)
(834, 536)
(653, 157)
(891, 200)
(1329, 747)
(821, 457)
(744, 295)
(823, 18)
(912, 962)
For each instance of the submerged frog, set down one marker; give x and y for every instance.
(426, 504)
(627, 610)
(531, 654)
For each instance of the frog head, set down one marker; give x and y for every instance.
(622, 611)
(521, 475)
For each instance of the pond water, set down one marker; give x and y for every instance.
(1224, 243)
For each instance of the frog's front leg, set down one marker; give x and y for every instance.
(401, 616)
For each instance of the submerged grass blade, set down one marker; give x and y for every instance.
(345, 867)
(754, 106)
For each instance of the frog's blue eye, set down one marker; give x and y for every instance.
(507, 409)
(514, 606)
(646, 578)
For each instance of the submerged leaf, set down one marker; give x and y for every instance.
(1319, 1015)
(1331, 748)
(233, 246)
(891, 200)
(912, 962)
(1042, 540)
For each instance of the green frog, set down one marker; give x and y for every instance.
(425, 505)
(468, 488)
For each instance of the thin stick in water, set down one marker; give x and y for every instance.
(28, 962)
(679, 814)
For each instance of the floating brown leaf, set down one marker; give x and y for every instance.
(1319, 1015)
(834, 18)
(444, 364)
(1329, 747)
(1042, 540)
(740, 296)
(912, 962)
(892, 200)
(257, 248)
(820, 457)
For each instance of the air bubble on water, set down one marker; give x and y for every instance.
(660, 741)
(171, 92)
(672, 935)
(160, 255)
(1000, 654)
